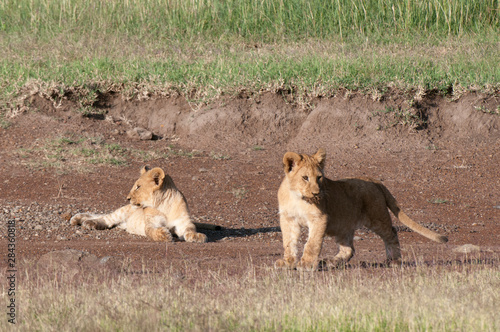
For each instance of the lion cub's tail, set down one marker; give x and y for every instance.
(392, 204)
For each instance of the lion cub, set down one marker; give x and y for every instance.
(334, 208)
(156, 209)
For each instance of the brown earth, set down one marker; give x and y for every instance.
(439, 157)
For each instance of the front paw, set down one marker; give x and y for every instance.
(287, 263)
(163, 235)
(76, 220)
(307, 265)
(195, 237)
(89, 224)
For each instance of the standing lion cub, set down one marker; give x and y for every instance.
(334, 208)
(156, 209)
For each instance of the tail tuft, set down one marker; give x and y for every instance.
(442, 239)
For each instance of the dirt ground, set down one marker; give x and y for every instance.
(439, 156)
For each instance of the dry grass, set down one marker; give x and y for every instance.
(82, 153)
(454, 298)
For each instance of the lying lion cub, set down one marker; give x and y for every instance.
(156, 208)
(334, 208)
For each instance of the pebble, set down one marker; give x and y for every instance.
(140, 134)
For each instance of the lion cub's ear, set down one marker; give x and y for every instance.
(145, 169)
(320, 156)
(157, 175)
(290, 160)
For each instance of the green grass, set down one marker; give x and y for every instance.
(239, 193)
(456, 298)
(265, 20)
(202, 49)
(439, 201)
(219, 156)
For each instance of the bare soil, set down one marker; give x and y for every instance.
(439, 157)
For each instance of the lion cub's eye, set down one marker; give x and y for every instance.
(306, 178)
(137, 188)
(319, 178)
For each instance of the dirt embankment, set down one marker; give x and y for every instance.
(270, 119)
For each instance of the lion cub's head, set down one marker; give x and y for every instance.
(147, 187)
(305, 174)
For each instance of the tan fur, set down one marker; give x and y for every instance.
(335, 208)
(156, 209)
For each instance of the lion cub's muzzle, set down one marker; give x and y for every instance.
(133, 202)
(315, 199)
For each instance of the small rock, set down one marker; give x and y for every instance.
(38, 228)
(357, 238)
(104, 260)
(140, 133)
(467, 249)
(203, 170)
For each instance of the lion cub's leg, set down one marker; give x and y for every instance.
(312, 248)
(184, 228)
(103, 221)
(89, 221)
(79, 218)
(346, 250)
(390, 237)
(290, 231)
(155, 225)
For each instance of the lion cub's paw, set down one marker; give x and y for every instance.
(195, 237)
(397, 262)
(162, 234)
(307, 265)
(76, 220)
(94, 224)
(89, 224)
(280, 264)
(288, 263)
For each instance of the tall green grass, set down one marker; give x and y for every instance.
(266, 20)
(307, 47)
